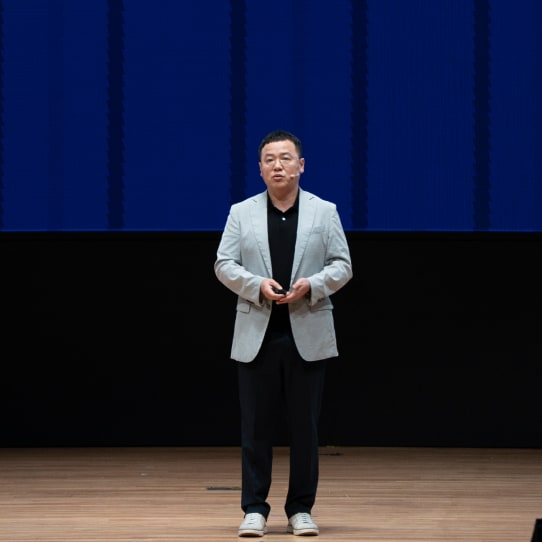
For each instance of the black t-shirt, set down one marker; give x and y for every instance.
(282, 232)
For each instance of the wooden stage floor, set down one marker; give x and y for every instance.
(192, 494)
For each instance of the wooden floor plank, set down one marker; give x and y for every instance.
(192, 494)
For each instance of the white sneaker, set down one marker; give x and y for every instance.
(253, 525)
(302, 524)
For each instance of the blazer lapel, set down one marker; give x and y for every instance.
(258, 216)
(307, 213)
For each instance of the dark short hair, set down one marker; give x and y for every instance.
(280, 135)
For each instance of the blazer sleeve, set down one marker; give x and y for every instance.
(228, 266)
(337, 268)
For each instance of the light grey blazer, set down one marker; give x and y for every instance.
(321, 255)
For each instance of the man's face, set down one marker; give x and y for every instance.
(280, 166)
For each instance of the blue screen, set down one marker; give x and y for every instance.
(145, 115)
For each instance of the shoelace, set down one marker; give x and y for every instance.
(305, 518)
(251, 518)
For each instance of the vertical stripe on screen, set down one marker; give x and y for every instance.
(481, 115)
(56, 115)
(237, 100)
(1, 115)
(358, 134)
(115, 186)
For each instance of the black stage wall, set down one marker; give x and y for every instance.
(123, 339)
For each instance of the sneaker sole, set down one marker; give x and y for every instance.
(251, 532)
(302, 532)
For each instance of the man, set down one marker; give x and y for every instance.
(283, 252)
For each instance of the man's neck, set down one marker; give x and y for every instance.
(283, 200)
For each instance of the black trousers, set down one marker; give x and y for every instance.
(279, 377)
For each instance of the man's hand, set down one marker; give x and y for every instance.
(272, 290)
(299, 289)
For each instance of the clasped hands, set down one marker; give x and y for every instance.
(298, 289)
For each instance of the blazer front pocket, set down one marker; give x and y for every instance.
(322, 305)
